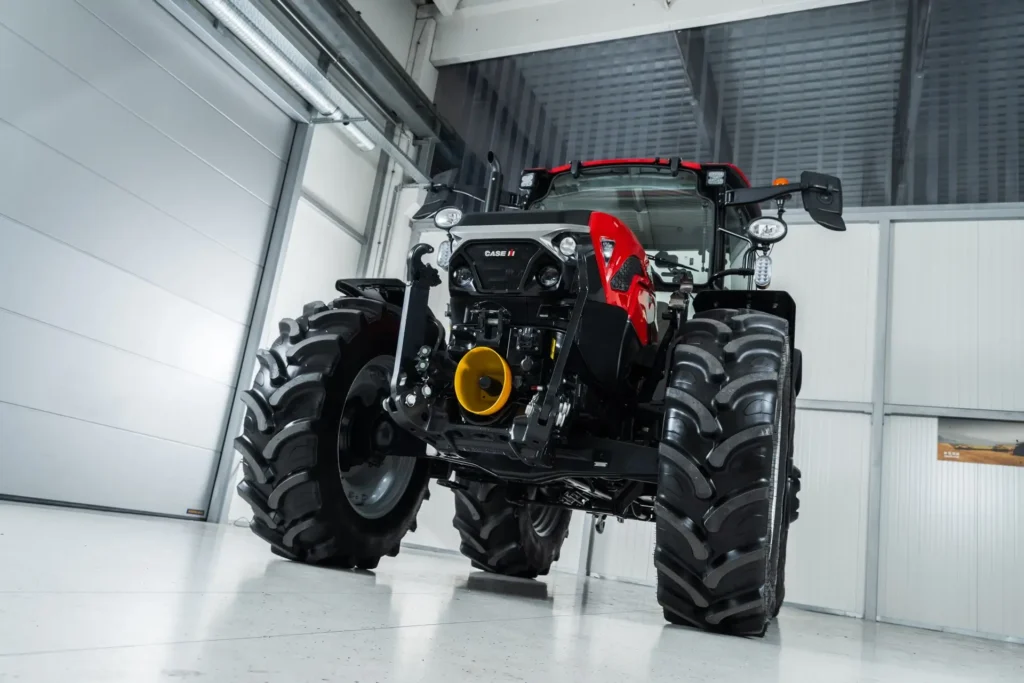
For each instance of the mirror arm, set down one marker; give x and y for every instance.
(756, 195)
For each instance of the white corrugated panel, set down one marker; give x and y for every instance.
(825, 561)
(833, 277)
(138, 185)
(957, 327)
(625, 551)
(951, 555)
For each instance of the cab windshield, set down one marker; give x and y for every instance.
(665, 212)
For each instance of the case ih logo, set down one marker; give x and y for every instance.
(500, 252)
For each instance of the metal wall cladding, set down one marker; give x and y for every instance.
(833, 277)
(957, 331)
(826, 549)
(812, 90)
(950, 553)
(138, 183)
(967, 146)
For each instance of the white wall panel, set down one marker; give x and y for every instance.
(151, 473)
(68, 33)
(63, 287)
(61, 372)
(833, 277)
(97, 217)
(139, 175)
(951, 555)
(340, 176)
(625, 551)
(957, 326)
(213, 80)
(826, 550)
(39, 96)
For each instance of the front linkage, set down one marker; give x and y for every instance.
(526, 452)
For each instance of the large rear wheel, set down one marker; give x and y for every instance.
(499, 537)
(724, 472)
(330, 478)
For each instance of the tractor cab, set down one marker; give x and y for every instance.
(669, 205)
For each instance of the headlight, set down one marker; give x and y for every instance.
(463, 277)
(444, 255)
(548, 277)
(766, 229)
(526, 182)
(567, 246)
(447, 218)
(607, 248)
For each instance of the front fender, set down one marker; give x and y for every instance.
(765, 300)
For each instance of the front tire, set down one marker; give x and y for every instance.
(499, 537)
(329, 477)
(723, 473)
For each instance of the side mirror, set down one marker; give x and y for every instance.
(822, 197)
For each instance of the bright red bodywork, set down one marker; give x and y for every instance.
(638, 300)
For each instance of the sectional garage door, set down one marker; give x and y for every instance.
(139, 176)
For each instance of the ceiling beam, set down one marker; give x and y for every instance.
(486, 29)
(912, 72)
(352, 48)
(705, 98)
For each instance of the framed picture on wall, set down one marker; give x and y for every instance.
(981, 441)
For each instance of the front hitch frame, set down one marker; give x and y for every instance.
(415, 314)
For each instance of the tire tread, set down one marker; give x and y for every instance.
(711, 552)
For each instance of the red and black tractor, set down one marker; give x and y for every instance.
(612, 347)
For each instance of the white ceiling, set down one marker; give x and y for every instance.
(486, 29)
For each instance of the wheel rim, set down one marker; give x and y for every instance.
(779, 481)
(544, 518)
(367, 436)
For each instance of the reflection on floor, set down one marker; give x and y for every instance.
(88, 596)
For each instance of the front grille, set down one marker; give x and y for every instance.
(501, 265)
(629, 270)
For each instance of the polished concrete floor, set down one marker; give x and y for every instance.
(87, 596)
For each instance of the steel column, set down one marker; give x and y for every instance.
(273, 263)
(911, 84)
(874, 509)
(704, 94)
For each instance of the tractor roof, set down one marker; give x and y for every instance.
(734, 175)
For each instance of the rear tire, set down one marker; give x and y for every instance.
(300, 450)
(499, 537)
(724, 468)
